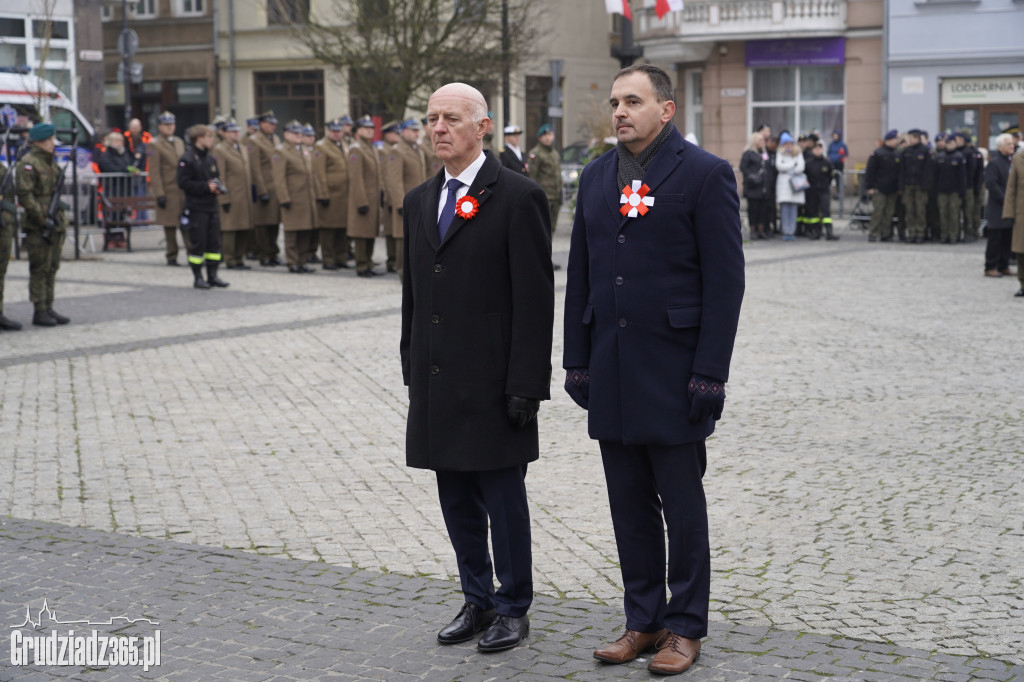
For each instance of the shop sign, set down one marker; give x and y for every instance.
(1004, 90)
(796, 52)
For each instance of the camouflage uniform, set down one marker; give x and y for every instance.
(546, 169)
(36, 177)
(7, 232)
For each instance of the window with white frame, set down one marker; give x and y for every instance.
(144, 9)
(45, 46)
(106, 13)
(799, 99)
(189, 8)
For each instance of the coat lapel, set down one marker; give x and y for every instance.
(479, 190)
(664, 163)
(428, 210)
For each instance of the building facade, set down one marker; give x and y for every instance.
(41, 36)
(955, 65)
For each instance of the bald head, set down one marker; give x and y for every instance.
(468, 94)
(456, 122)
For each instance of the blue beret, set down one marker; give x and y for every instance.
(365, 122)
(546, 128)
(951, 137)
(917, 131)
(42, 131)
(892, 134)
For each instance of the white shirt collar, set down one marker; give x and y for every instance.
(468, 175)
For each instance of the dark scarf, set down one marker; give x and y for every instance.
(635, 167)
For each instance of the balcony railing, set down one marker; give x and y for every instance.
(750, 19)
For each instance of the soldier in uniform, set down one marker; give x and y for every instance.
(974, 194)
(512, 156)
(252, 127)
(393, 193)
(882, 178)
(364, 196)
(330, 173)
(293, 178)
(950, 182)
(268, 210)
(915, 169)
(163, 154)
(934, 229)
(236, 205)
(346, 132)
(308, 140)
(546, 168)
(406, 168)
(36, 176)
(7, 232)
(199, 179)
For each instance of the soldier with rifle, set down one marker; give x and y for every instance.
(38, 178)
(8, 232)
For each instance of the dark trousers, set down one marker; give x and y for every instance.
(997, 249)
(265, 240)
(334, 244)
(757, 214)
(468, 500)
(204, 237)
(296, 246)
(236, 243)
(651, 487)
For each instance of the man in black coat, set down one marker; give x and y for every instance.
(999, 229)
(652, 302)
(512, 156)
(477, 318)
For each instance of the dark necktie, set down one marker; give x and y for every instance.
(448, 212)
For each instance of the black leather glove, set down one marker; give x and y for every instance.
(521, 411)
(577, 385)
(399, 210)
(382, 202)
(264, 198)
(161, 202)
(286, 205)
(324, 202)
(707, 398)
(363, 210)
(226, 207)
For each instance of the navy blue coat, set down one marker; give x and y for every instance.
(651, 300)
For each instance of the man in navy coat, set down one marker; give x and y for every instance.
(478, 309)
(655, 281)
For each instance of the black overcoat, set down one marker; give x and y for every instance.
(477, 319)
(653, 299)
(997, 174)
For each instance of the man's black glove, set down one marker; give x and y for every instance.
(577, 385)
(521, 411)
(226, 207)
(264, 198)
(399, 210)
(286, 205)
(363, 210)
(47, 233)
(382, 202)
(161, 202)
(707, 398)
(324, 202)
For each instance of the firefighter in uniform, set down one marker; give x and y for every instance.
(293, 178)
(949, 174)
(268, 210)
(330, 173)
(882, 180)
(546, 168)
(199, 179)
(818, 204)
(236, 206)
(915, 169)
(7, 234)
(364, 196)
(512, 156)
(974, 194)
(163, 154)
(36, 176)
(406, 169)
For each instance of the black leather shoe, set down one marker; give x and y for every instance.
(305, 268)
(471, 620)
(505, 632)
(61, 319)
(1019, 294)
(218, 282)
(200, 283)
(315, 260)
(173, 263)
(295, 269)
(330, 266)
(41, 318)
(275, 261)
(9, 325)
(366, 273)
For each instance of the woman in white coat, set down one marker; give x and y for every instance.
(789, 162)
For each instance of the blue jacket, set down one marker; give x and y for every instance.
(653, 299)
(837, 152)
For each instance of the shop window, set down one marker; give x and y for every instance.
(799, 99)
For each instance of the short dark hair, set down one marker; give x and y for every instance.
(660, 80)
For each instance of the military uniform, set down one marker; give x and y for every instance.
(883, 176)
(364, 200)
(406, 168)
(8, 231)
(915, 169)
(974, 193)
(950, 181)
(268, 208)
(236, 206)
(330, 173)
(293, 178)
(546, 170)
(163, 154)
(36, 178)
(512, 157)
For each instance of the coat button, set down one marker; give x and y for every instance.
(435, 318)
(618, 280)
(438, 267)
(434, 369)
(622, 239)
(622, 322)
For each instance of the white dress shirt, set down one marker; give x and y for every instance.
(466, 177)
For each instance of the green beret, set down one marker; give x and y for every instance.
(42, 131)
(546, 128)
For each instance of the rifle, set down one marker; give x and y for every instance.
(51, 213)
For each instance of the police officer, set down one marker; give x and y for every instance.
(36, 177)
(364, 196)
(7, 233)
(293, 178)
(882, 180)
(330, 175)
(236, 205)
(406, 168)
(268, 210)
(973, 195)
(199, 179)
(512, 156)
(950, 181)
(546, 168)
(915, 170)
(163, 154)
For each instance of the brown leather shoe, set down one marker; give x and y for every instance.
(629, 646)
(675, 654)
(993, 273)
(1008, 272)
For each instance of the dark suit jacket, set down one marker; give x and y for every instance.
(477, 318)
(511, 161)
(651, 300)
(997, 174)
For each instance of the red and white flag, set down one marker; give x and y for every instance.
(663, 7)
(619, 7)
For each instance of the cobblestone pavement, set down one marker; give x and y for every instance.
(864, 487)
